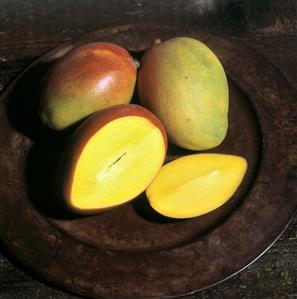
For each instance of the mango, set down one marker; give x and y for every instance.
(111, 158)
(196, 184)
(87, 79)
(183, 82)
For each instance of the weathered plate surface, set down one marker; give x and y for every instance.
(129, 251)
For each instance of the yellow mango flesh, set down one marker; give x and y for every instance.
(196, 184)
(117, 163)
(183, 82)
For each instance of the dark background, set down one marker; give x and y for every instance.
(30, 28)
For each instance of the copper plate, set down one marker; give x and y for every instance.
(130, 251)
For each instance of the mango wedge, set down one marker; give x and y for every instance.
(196, 184)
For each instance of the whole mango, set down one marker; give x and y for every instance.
(183, 82)
(87, 79)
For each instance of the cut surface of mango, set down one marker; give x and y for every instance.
(117, 163)
(196, 184)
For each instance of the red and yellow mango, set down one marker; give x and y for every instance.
(85, 80)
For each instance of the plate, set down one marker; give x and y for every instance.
(130, 251)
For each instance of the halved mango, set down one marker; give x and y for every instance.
(195, 184)
(112, 158)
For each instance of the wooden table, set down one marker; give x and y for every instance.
(30, 28)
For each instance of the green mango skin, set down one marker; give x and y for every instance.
(183, 82)
(87, 79)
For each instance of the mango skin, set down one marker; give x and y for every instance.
(87, 79)
(183, 82)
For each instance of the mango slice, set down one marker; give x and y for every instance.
(195, 184)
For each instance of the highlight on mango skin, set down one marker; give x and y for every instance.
(196, 184)
(112, 158)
